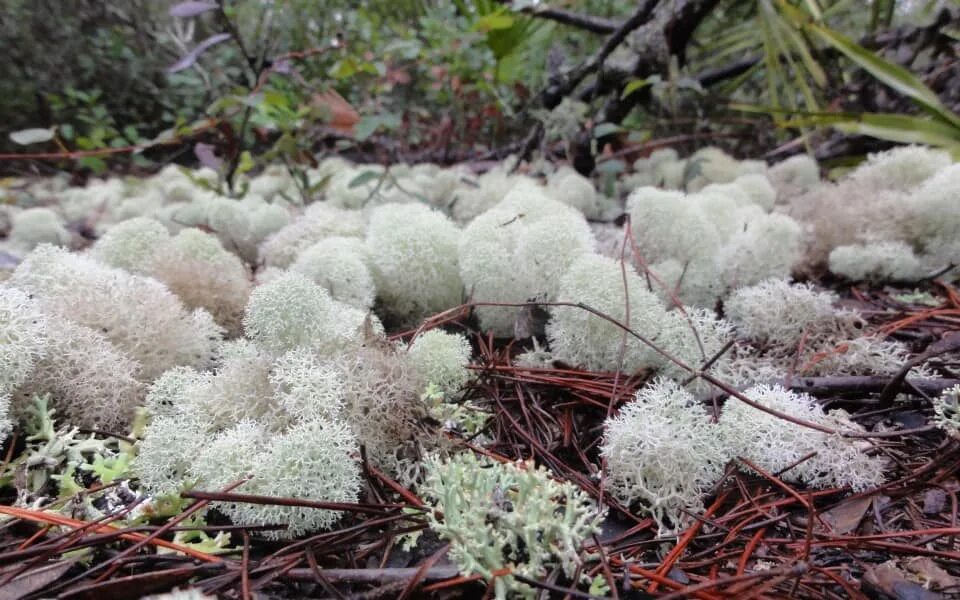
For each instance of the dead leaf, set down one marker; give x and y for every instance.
(887, 578)
(934, 501)
(34, 580)
(928, 572)
(343, 117)
(846, 516)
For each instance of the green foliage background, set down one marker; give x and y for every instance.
(98, 71)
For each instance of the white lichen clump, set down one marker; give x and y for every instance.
(662, 449)
(876, 261)
(35, 226)
(441, 359)
(727, 239)
(276, 420)
(413, 259)
(339, 265)
(507, 516)
(137, 314)
(585, 339)
(777, 445)
(291, 311)
(946, 409)
(518, 251)
(779, 311)
(23, 343)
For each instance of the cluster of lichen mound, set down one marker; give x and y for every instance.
(251, 330)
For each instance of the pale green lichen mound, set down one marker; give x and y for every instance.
(654, 215)
(276, 420)
(694, 337)
(876, 261)
(339, 265)
(517, 252)
(514, 516)
(441, 359)
(573, 189)
(319, 221)
(584, 339)
(934, 221)
(23, 343)
(795, 174)
(901, 168)
(203, 274)
(35, 226)
(767, 247)
(291, 311)
(413, 259)
(662, 450)
(131, 245)
(314, 460)
(23, 337)
(89, 381)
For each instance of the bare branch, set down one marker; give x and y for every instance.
(586, 22)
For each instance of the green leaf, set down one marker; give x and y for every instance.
(37, 135)
(893, 127)
(363, 178)
(891, 74)
(906, 129)
(94, 163)
(246, 163)
(633, 86)
(614, 166)
(369, 124)
(605, 129)
(494, 21)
